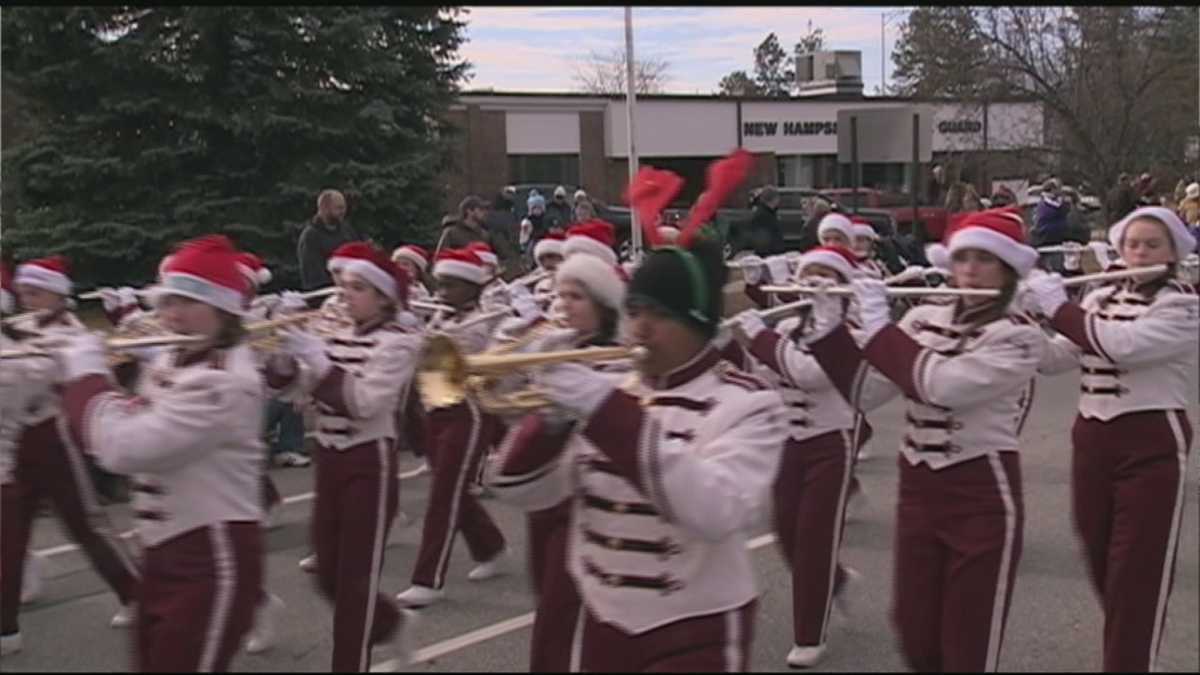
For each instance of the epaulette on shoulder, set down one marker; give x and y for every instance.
(727, 372)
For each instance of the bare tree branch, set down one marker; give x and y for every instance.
(604, 73)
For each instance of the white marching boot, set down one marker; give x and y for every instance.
(499, 565)
(263, 636)
(418, 596)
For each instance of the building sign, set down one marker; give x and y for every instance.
(790, 128)
(959, 127)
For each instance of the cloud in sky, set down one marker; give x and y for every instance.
(537, 48)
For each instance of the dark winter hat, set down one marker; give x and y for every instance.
(686, 284)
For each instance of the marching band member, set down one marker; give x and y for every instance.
(357, 375)
(459, 435)
(334, 316)
(415, 261)
(1135, 342)
(813, 484)
(191, 441)
(864, 249)
(18, 383)
(48, 465)
(966, 370)
(667, 475)
(592, 292)
(548, 253)
(835, 230)
(494, 295)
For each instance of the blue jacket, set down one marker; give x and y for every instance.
(1050, 221)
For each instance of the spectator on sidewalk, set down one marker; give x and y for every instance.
(326, 231)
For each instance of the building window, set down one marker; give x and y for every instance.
(810, 171)
(556, 169)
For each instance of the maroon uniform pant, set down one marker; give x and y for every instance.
(558, 600)
(810, 494)
(1127, 488)
(47, 467)
(357, 497)
(958, 541)
(197, 598)
(460, 436)
(710, 643)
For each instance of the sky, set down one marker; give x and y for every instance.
(537, 48)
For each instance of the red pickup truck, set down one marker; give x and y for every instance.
(900, 206)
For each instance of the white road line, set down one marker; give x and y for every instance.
(486, 633)
(294, 499)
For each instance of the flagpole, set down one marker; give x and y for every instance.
(635, 230)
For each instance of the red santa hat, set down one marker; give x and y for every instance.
(8, 300)
(1000, 232)
(1185, 243)
(838, 258)
(461, 263)
(836, 222)
(351, 250)
(551, 244)
(206, 269)
(49, 274)
(605, 282)
(375, 268)
(594, 237)
(413, 254)
(485, 253)
(862, 227)
(253, 268)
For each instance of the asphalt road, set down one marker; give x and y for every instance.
(1055, 623)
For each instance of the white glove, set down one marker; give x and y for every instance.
(753, 270)
(526, 231)
(527, 308)
(290, 302)
(1072, 253)
(1048, 291)
(873, 306)
(1100, 250)
(308, 349)
(750, 324)
(109, 298)
(828, 310)
(780, 270)
(577, 389)
(82, 355)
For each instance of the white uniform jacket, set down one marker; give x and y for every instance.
(358, 397)
(1136, 347)
(191, 438)
(668, 478)
(20, 380)
(43, 402)
(969, 390)
(815, 407)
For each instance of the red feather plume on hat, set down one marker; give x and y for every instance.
(651, 191)
(724, 177)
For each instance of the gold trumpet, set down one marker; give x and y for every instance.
(445, 377)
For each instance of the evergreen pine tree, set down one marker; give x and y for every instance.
(169, 122)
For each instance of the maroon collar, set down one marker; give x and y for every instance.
(697, 366)
(369, 327)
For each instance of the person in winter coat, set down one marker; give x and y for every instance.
(559, 210)
(765, 235)
(1189, 206)
(1050, 220)
(327, 230)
